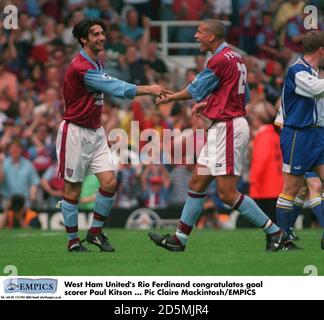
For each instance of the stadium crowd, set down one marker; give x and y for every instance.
(33, 60)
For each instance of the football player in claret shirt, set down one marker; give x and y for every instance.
(82, 147)
(222, 84)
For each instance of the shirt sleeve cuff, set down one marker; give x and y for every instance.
(130, 91)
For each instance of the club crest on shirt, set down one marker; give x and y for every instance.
(105, 75)
(69, 172)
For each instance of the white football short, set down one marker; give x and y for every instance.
(225, 147)
(81, 152)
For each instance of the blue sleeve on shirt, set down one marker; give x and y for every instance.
(204, 83)
(96, 80)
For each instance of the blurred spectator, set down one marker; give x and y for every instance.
(17, 175)
(8, 87)
(131, 30)
(52, 8)
(42, 38)
(250, 24)
(155, 170)
(128, 188)
(180, 176)
(107, 12)
(53, 77)
(157, 195)
(152, 60)
(144, 7)
(294, 34)
(74, 17)
(266, 40)
(88, 193)
(12, 131)
(274, 78)
(42, 150)
(52, 105)
(115, 62)
(34, 7)
(286, 11)
(266, 178)
(17, 215)
(136, 66)
(187, 10)
(52, 185)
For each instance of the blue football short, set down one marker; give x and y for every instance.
(302, 149)
(311, 174)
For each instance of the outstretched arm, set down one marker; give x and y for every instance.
(99, 81)
(153, 90)
(180, 95)
(204, 83)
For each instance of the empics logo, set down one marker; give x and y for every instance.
(30, 286)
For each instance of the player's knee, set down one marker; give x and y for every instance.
(228, 198)
(109, 185)
(196, 186)
(314, 185)
(72, 193)
(291, 190)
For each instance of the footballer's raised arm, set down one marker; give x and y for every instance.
(96, 80)
(203, 84)
(153, 90)
(180, 95)
(99, 81)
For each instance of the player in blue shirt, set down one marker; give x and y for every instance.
(301, 141)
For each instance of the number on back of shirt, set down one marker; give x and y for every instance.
(242, 81)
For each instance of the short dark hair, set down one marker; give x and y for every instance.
(313, 41)
(82, 29)
(217, 27)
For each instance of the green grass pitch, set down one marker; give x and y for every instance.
(208, 253)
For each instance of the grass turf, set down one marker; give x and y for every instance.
(209, 252)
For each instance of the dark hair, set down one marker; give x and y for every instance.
(217, 27)
(82, 29)
(313, 41)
